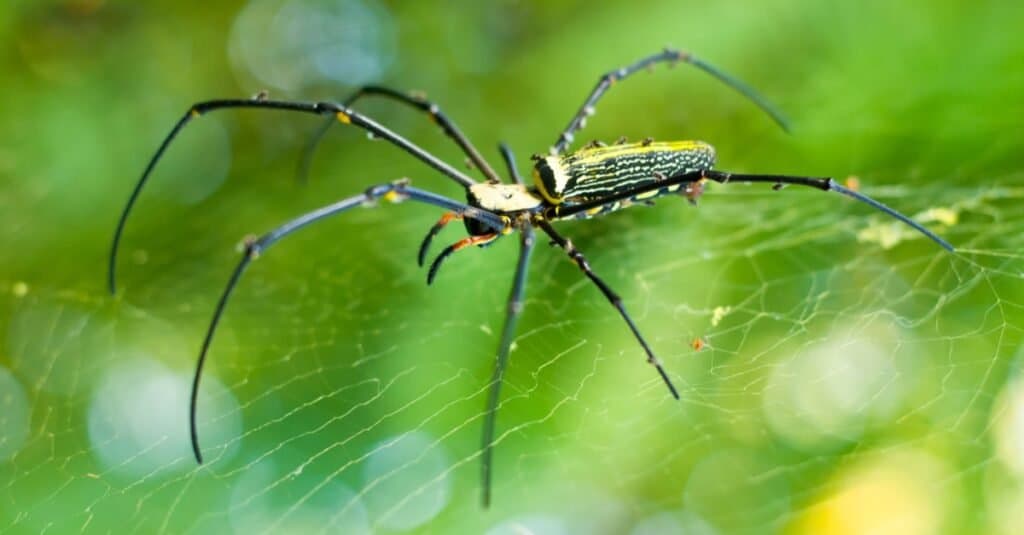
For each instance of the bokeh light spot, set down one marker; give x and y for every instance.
(19, 289)
(673, 523)
(1008, 427)
(822, 398)
(532, 525)
(659, 524)
(406, 481)
(138, 419)
(292, 44)
(14, 415)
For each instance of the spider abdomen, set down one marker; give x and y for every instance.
(599, 172)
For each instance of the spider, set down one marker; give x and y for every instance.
(589, 182)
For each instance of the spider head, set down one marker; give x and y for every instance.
(502, 199)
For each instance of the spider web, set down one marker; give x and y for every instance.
(341, 398)
(851, 376)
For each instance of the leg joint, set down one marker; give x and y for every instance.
(610, 77)
(252, 246)
(378, 191)
(332, 107)
(676, 54)
(395, 187)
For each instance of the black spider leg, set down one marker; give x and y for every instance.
(341, 113)
(423, 105)
(479, 240)
(610, 294)
(394, 191)
(668, 56)
(515, 308)
(510, 163)
(824, 184)
(421, 255)
(827, 184)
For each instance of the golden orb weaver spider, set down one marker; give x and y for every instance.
(589, 182)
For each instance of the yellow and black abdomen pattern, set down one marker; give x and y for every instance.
(594, 173)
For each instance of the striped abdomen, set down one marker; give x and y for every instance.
(594, 173)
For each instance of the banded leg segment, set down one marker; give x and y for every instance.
(671, 57)
(395, 192)
(424, 105)
(515, 308)
(612, 297)
(481, 239)
(433, 232)
(341, 113)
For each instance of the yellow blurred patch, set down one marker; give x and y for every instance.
(718, 314)
(945, 216)
(889, 234)
(893, 495)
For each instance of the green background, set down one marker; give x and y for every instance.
(847, 386)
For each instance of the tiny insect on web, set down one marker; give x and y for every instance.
(592, 181)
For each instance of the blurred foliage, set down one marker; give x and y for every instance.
(921, 100)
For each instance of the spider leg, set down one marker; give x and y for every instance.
(481, 239)
(666, 56)
(827, 184)
(695, 177)
(510, 162)
(447, 126)
(515, 307)
(434, 230)
(396, 191)
(612, 297)
(339, 112)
